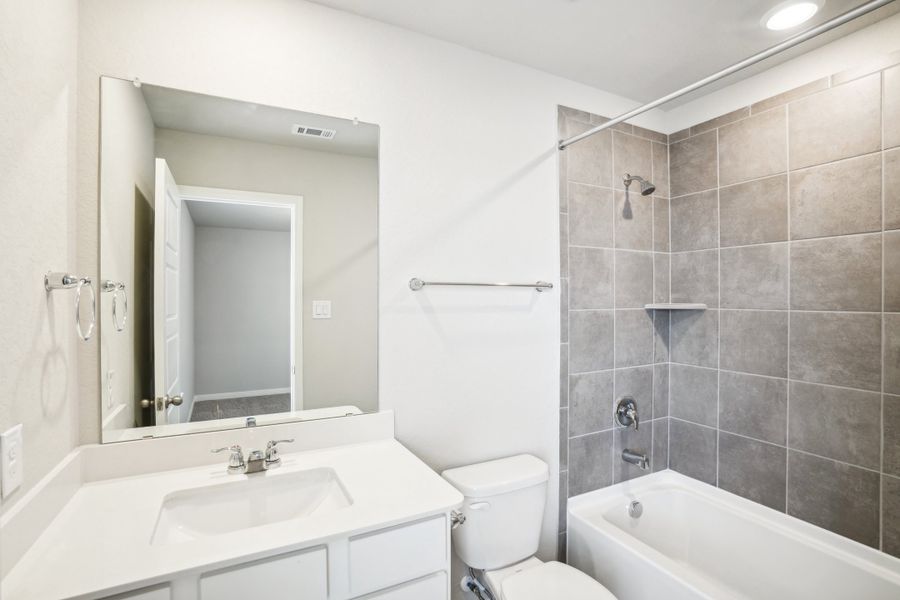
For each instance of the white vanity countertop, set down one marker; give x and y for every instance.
(100, 541)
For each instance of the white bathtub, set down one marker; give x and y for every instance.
(696, 541)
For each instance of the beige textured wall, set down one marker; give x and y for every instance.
(38, 371)
(339, 252)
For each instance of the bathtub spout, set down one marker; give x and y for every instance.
(636, 458)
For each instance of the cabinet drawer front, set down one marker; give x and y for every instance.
(298, 576)
(160, 592)
(433, 587)
(388, 557)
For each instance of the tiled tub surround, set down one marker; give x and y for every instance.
(614, 261)
(785, 220)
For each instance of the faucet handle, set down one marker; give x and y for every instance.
(627, 413)
(236, 460)
(632, 412)
(272, 458)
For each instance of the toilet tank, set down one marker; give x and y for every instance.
(504, 508)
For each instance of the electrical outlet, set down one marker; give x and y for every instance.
(12, 452)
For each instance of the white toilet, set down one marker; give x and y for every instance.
(504, 508)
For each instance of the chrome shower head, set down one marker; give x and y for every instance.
(647, 188)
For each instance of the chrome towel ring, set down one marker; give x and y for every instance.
(65, 281)
(117, 288)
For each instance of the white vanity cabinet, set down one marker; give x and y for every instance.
(284, 535)
(410, 561)
(301, 575)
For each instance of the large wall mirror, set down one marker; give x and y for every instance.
(238, 263)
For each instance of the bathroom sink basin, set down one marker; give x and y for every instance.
(254, 501)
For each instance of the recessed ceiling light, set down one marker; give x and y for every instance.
(789, 14)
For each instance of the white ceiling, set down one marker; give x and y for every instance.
(239, 216)
(212, 115)
(639, 49)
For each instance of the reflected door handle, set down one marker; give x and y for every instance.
(164, 401)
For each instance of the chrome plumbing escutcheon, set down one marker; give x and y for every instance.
(627, 412)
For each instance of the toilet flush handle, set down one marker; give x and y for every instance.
(480, 505)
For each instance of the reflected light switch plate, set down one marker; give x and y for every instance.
(110, 375)
(11, 455)
(321, 309)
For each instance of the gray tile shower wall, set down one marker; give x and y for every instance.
(614, 260)
(785, 220)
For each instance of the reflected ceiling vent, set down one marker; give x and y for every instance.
(316, 132)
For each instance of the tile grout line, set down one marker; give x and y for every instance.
(568, 186)
(615, 242)
(787, 402)
(669, 333)
(776, 242)
(718, 302)
(830, 85)
(569, 328)
(613, 428)
(784, 379)
(785, 173)
(882, 329)
(653, 382)
(797, 450)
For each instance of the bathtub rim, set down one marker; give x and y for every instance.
(864, 557)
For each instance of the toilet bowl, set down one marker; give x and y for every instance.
(503, 510)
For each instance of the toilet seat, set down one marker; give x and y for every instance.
(552, 580)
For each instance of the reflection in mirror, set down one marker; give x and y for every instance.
(238, 260)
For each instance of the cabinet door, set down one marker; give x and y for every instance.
(433, 587)
(384, 558)
(298, 576)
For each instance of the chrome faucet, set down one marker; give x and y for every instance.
(636, 458)
(626, 412)
(236, 462)
(272, 458)
(257, 460)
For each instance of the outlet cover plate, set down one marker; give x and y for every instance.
(321, 309)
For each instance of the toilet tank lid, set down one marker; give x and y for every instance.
(498, 476)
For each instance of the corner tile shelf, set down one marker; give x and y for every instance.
(675, 306)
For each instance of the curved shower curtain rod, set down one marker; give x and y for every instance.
(785, 45)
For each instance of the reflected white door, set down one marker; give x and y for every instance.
(167, 218)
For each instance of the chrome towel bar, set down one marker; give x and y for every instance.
(416, 284)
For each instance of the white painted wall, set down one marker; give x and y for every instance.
(848, 52)
(339, 250)
(127, 149)
(468, 190)
(38, 370)
(242, 310)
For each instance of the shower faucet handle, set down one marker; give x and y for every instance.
(627, 413)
